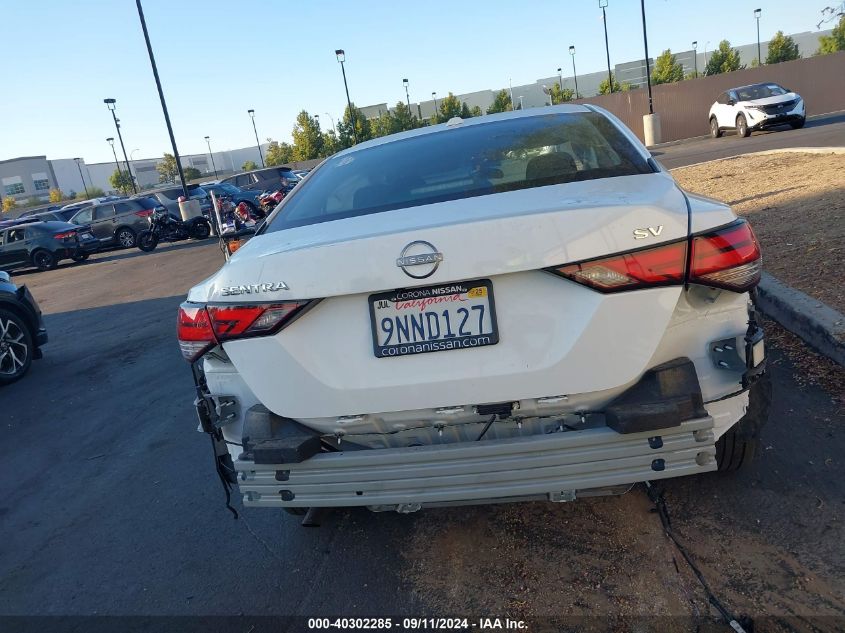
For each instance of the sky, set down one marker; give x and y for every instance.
(217, 59)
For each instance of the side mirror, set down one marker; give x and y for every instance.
(731, 101)
(4, 276)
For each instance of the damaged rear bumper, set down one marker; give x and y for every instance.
(557, 466)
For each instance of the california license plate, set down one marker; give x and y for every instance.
(433, 319)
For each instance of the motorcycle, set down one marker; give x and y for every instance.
(268, 201)
(167, 228)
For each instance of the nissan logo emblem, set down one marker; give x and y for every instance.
(419, 253)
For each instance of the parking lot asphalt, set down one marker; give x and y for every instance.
(823, 131)
(109, 504)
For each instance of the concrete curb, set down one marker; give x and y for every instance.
(819, 325)
(766, 152)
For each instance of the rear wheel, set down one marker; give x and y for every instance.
(201, 230)
(147, 241)
(736, 448)
(44, 260)
(125, 237)
(16, 347)
(742, 126)
(796, 125)
(715, 132)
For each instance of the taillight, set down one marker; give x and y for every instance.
(660, 266)
(726, 258)
(145, 213)
(199, 327)
(64, 236)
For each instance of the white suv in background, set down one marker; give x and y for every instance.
(756, 107)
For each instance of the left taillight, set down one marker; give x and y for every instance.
(659, 266)
(201, 327)
(145, 213)
(64, 235)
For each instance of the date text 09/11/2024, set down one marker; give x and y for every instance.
(418, 624)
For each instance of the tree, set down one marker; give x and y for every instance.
(93, 192)
(383, 125)
(666, 70)
(450, 107)
(249, 166)
(166, 169)
(344, 127)
(782, 48)
(835, 41)
(191, 173)
(331, 145)
(403, 117)
(307, 137)
(723, 60)
(278, 154)
(120, 181)
(476, 111)
(501, 103)
(617, 87)
(56, 195)
(560, 95)
(9, 203)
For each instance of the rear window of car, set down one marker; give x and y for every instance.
(463, 162)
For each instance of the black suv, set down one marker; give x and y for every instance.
(118, 223)
(268, 179)
(44, 244)
(22, 331)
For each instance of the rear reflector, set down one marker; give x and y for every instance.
(727, 258)
(200, 327)
(659, 266)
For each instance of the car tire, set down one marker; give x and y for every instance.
(742, 126)
(715, 131)
(125, 237)
(737, 447)
(797, 125)
(16, 347)
(43, 260)
(79, 257)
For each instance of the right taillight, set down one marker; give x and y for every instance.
(728, 258)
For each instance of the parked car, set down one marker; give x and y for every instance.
(118, 223)
(169, 198)
(22, 331)
(756, 107)
(268, 179)
(44, 245)
(427, 320)
(235, 194)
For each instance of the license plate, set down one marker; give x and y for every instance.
(433, 319)
(86, 236)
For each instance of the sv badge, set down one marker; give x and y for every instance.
(649, 231)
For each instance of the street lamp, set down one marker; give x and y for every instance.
(161, 99)
(705, 56)
(574, 75)
(251, 114)
(331, 118)
(208, 142)
(341, 59)
(87, 195)
(647, 70)
(560, 78)
(110, 141)
(434, 96)
(603, 6)
(757, 13)
(407, 97)
(695, 57)
(111, 104)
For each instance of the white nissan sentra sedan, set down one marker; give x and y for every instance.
(518, 306)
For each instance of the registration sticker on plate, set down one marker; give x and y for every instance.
(433, 319)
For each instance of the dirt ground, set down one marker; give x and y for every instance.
(796, 205)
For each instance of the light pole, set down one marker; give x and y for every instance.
(111, 104)
(110, 141)
(510, 87)
(163, 102)
(520, 101)
(334, 129)
(695, 57)
(341, 59)
(434, 96)
(548, 92)
(574, 75)
(603, 6)
(647, 70)
(87, 195)
(208, 142)
(251, 114)
(407, 97)
(560, 79)
(705, 56)
(757, 13)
